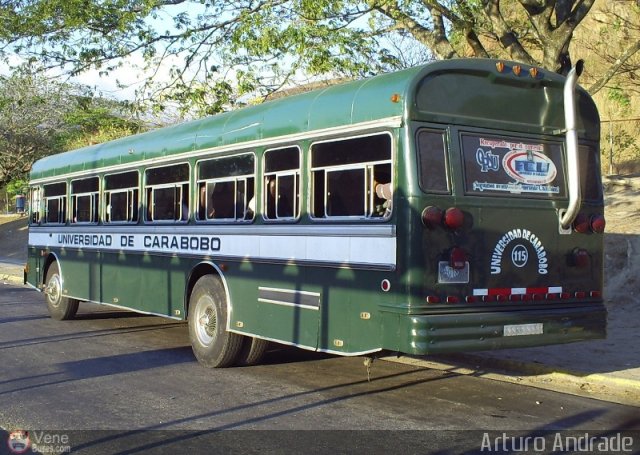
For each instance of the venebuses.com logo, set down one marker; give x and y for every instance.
(21, 441)
(18, 441)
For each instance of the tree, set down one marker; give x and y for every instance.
(39, 117)
(31, 113)
(219, 50)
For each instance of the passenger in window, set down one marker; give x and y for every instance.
(223, 201)
(271, 197)
(185, 211)
(283, 206)
(251, 209)
(205, 201)
(383, 194)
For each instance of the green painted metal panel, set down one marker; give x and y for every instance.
(421, 334)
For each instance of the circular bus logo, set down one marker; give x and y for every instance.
(519, 256)
(529, 167)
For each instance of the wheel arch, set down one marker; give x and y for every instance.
(200, 270)
(51, 258)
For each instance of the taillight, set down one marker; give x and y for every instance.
(457, 258)
(454, 218)
(585, 224)
(598, 224)
(581, 257)
(432, 217)
(581, 224)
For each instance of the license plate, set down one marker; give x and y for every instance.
(448, 275)
(523, 329)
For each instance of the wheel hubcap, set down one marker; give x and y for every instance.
(54, 290)
(206, 321)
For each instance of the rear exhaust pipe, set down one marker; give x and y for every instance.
(573, 162)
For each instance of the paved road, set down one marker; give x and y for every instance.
(115, 370)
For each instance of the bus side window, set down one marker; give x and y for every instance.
(351, 178)
(55, 203)
(34, 205)
(226, 189)
(84, 200)
(281, 192)
(167, 193)
(121, 197)
(432, 161)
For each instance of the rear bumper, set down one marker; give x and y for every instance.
(419, 334)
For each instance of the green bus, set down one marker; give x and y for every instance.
(450, 207)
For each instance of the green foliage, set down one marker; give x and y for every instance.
(18, 186)
(39, 117)
(620, 97)
(220, 50)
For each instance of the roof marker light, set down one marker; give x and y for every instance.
(516, 70)
(533, 72)
(500, 67)
(395, 98)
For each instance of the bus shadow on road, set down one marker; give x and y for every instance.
(100, 367)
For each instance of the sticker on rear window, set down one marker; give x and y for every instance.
(506, 166)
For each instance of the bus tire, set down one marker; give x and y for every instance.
(213, 345)
(252, 351)
(60, 308)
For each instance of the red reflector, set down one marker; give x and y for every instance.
(470, 299)
(502, 298)
(526, 297)
(433, 299)
(489, 298)
(453, 299)
(453, 218)
(457, 258)
(598, 224)
(581, 294)
(515, 297)
(432, 217)
(565, 295)
(595, 294)
(538, 296)
(552, 296)
(581, 257)
(581, 223)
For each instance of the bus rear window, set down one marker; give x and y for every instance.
(432, 159)
(506, 166)
(590, 173)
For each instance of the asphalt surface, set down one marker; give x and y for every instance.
(603, 369)
(118, 382)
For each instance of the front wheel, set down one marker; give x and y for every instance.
(60, 307)
(213, 345)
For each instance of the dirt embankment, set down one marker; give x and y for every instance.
(13, 238)
(622, 240)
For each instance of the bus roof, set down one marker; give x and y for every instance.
(356, 102)
(338, 105)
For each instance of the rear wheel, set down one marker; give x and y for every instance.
(60, 307)
(212, 344)
(252, 351)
